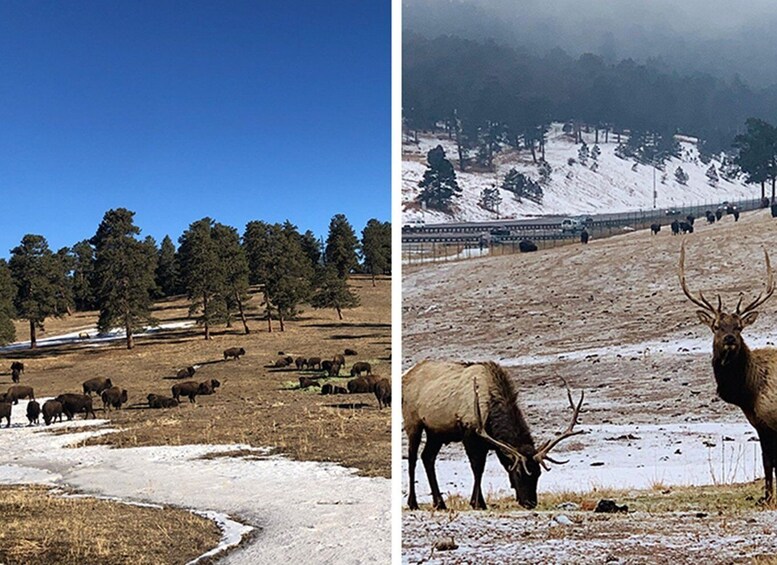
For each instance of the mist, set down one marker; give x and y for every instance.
(723, 38)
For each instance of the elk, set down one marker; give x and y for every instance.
(745, 378)
(476, 404)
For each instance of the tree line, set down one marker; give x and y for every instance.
(120, 274)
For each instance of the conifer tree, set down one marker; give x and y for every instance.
(438, 185)
(167, 276)
(376, 248)
(124, 271)
(235, 268)
(312, 248)
(7, 313)
(341, 243)
(332, 292)
(84, 283)
(37, 275)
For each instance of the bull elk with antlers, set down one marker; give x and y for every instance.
(745, 378)
(476, 404)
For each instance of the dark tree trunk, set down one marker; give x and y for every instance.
(130, 337)
(773, 181)
(269, 310)
(33, 337)
(339, 312)
(242, 312)
(596, 135)
(763, 190)
(533, 154)
(205, 315)
(373, 279)
(280, 320)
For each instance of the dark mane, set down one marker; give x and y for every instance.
(505, 419)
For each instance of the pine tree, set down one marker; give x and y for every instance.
(124, 271)
(65, 265)
(312, 248)
(167, 275)
(438, 186)
(332, 292)
(202, 274)
(37, 276)
(341, 244)
(376, 248)
(7, 312)
(490, 198)
(84, 282)
(582, 154)
(545, 171)
(235, 268)
(712, 175)
(595, 152)
(680, 175)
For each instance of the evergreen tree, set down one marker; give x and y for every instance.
(545, 171)
(235, 268)
(757, 153)
(595, 152)
(438, 186)
(680, 175)
(167, 275)
(341, 243)
(7, 312)
(712, 175)
(124, 271)
(312, 248)
(37, 275)
(64, 283)
(582, 154)
(376, 248)
(490, 198)
(202, 274)
(332, 292)
(84, 282)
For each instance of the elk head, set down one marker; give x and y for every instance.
(524, 469)
(727, 327)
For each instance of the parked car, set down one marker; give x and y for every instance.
(500, 232)
(571, 225)
(673, 212)
(413, 224)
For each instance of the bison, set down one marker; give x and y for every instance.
(17, 366)
(301, 363)
(314, 363)
(349, 352)
(334, 370)
(19, 391)
(476, 404)
(5, 412)
(114, 397)
(584, 236)
(329, 388)
(364, 384)
(383, 393)
(655, 228)
(97, 385)
(157, 401)
(15, 375)
(685, 227)
(52, 409)
(675, 225)
(690, 218)
(305, 382)
(186, 373)
(234, 352)
(33, 412)
(361, 367)
(527, 246)
(73, 404)
(209, 386)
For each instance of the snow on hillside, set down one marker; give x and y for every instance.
(573, 189)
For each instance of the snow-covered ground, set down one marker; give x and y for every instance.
(306, 512)
(95, 338)
(616, 186)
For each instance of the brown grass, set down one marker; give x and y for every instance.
(39, 527)
(254, 405)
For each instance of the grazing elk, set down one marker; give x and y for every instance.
(746, 378)
(655, 228)
(476, 404)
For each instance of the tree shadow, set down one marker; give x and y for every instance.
(350, 405)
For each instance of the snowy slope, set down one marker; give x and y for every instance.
(573, 189)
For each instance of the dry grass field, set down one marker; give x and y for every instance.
(255, 404)
(40, 527)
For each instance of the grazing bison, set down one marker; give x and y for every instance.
(52, 409)
(234, 352)
(710, 217)
(383, 393)
(301, 363)
(33, 412)
(686, 227)
(326, 365)
(209, 387)
(349, 352)
(473, 403)
(690, 218)
(73, 404)
(655, 228)
(305, 382)
(157, 401)
(362, 384)
(17, 366)
(19, 391)
(361, 367)
(718, 214)
(675, 225)
(281, 363)
(5, 412)
(185, 373)
(114, 397)
(736, 214)
(192, 389)
(97, 384)
(339, 358)
(15, 375)
(329, 388)
(334, 370)
(584, 236)
(314, 363)
(527, 246)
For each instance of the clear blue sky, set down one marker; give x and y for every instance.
(177, 110)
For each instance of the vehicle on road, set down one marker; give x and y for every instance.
(571, 225)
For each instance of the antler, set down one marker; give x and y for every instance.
(760, 299)
(542, 453)
(517, 456)
(701, 301)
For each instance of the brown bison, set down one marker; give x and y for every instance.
(334, 370)
(19, 391)
(208, 387)
(17, 366)
(185, 373)
(349, 352)
(15, 375)
(383, 393)
(114, 397)
(33, 412)
(52, 409)
(234, 352)
(329, 388)
(314, 363)
(156, 401)
(73, 404)
(361, 367)
(301, 363)
(364, 384)
(97, 385)
(339, 358)
(305, 382)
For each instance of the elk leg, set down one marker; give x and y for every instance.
(428, 455)
(477, 452)
(768, 440)
(413, 441)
